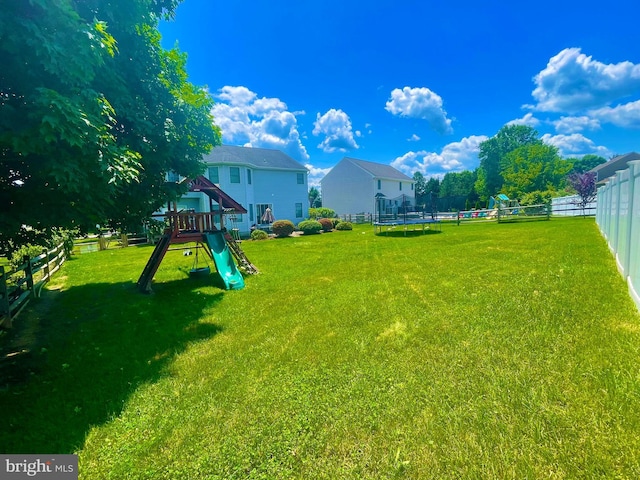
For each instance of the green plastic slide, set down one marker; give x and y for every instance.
(229, 273)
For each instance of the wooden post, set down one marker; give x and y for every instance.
(28, 272)
(5, 309)
(47, 270)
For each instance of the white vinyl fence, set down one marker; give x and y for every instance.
(618, 217)
(567, 207)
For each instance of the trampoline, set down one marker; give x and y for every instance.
(408, 224)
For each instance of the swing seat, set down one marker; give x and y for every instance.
(199, 272)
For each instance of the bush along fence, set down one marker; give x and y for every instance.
(618, 217)
(19, 286)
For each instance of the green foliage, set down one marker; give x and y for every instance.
(282, 228)
(492, 156)
(586, 163)
(533, 168)
(321, 212)
(315, 200)
(537, 197)
(17, 257)
(259, 235)
(66, 237)
(310, 227)
(327, 224)
(421, 191)
(335, 221)
(93, 112)
(344, 226)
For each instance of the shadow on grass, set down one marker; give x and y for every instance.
(93, 347)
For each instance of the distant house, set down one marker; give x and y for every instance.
(257, 178)
(608, 169)
(358, 186)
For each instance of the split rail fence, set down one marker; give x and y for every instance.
(26, 282)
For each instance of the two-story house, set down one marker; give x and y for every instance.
(358, 186)
(257, 178)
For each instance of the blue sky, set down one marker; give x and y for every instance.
(414, 84)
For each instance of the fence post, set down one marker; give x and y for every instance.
(28, 272)
(458, 217)
(629, 236)
(5, 309)
(47, 269)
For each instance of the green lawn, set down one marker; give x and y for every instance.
(485, 351)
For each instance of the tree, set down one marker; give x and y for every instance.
(586, 163)
(315, 200)
(534, 167)
(585, 186)
(458, 184)
(433, 185)
(420, 189)
(493, 152)
(93, 115)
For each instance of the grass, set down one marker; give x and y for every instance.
(484, 351)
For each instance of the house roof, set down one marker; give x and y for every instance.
(608, 169)
(257, 157)
(379, 170)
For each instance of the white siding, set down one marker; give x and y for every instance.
(347, 188)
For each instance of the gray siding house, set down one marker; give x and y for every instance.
(357, 186)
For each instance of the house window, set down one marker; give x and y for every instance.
(212, 173)
(412, 187)
(300, 178)
(251, 212)
(260, 209)
(298, 210)
(234, 173)
(379, 184)
(172, 176)
(248, 177)
(400, 184)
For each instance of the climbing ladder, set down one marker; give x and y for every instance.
(240, 256)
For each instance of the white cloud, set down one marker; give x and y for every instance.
(576, 124)
(264, 122)
(316, 174)
(236, 96)
(574, 145)
(420, 103)
(454, 157)
(413, 138)
(336, 126)
(573, 82)
(528, 120)
(627, 115)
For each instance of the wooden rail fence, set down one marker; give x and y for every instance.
(19, 286)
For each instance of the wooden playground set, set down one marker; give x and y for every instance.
(208, 231)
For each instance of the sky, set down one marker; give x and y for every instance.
(414, 84)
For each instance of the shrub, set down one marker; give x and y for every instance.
(321, 212)
(282, 228)
(327, 224)
(335, 221)
(28, 249)
(259, 235)
(344, 226)
(310, 227)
